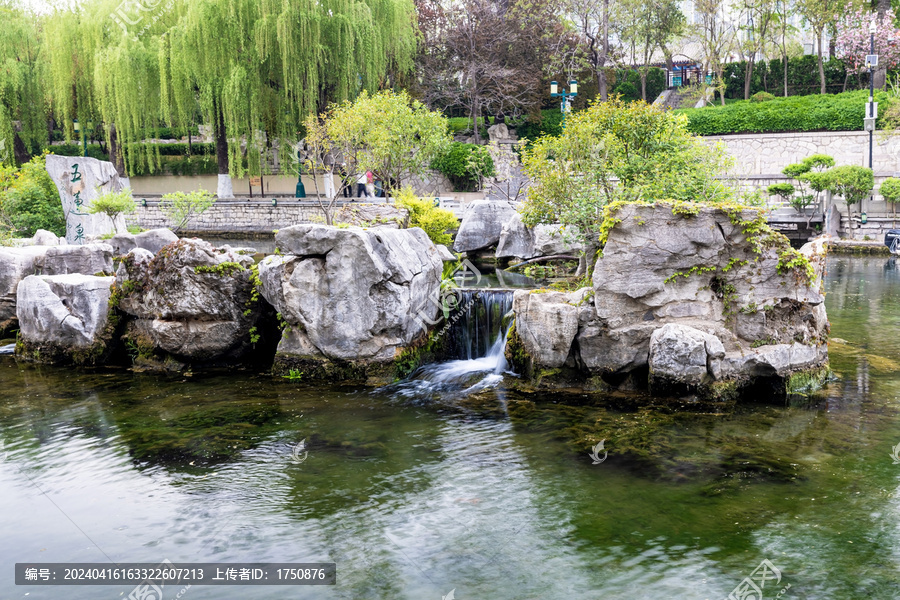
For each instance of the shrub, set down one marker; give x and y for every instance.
(181, 207)
(29, 200)
(762, 97)
(423, 213)
(550, 123)
(465, 165)
(822, 112)
(113, 204)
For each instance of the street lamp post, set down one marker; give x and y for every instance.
(871, 107)
(566, 105)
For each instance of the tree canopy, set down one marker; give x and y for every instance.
(252, 69)
(617, 151)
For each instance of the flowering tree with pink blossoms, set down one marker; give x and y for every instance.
(853, 43)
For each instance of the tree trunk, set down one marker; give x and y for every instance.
(785, 60)
(748, 76)
(115, 153)
(20, 152)
(822, 89)
(225, 187)
(720, 73)
(586, 260)
(604, 44)
(475, 120)
(644, 85)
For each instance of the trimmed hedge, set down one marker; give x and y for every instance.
(198, 164)
(164, 133)
(821, 112)
(182, 149)
(550, 124)
(803, 77)
(93, 150)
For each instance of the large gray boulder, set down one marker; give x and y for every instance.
(80, 181)
(680, 354)
(697, 295)
(60, 314)
(15, 265)
(122, 243)
(482, 224)
(660, 267)
(517, 240)
(372, 215)
(189, 300)
(547, 323)
(155, 240)
(42, 237)
(351, 294)
(89, 259)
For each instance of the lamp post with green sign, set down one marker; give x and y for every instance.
(565, 106)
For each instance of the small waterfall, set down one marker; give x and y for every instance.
(479, 322)
(476, 343)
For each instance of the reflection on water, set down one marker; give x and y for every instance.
(492, 494)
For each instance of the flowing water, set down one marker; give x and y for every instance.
(489, 493)
(476, 340)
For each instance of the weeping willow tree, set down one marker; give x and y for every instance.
(250, 69)
(23, 125)
(257, 68)
(103, 70)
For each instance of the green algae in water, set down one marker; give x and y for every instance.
(493, 495)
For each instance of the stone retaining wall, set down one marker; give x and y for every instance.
(769, 153)
(241, 216)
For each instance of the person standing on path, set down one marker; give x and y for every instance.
(370, 184)
(361, 185)
(346, 185)
(329, 182)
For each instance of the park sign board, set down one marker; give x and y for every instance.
(80, 181)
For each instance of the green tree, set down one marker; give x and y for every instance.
(852, 182)
(396, 137)
(890, 191)
(785, 191)
(760, 15)
(648, 25)
(29, 200)
(113, 204)
(618, 151)
(21, 85)
(180, 207)
(465, 165)
(809, 172)
(257, 69)
(820, 14)
(250, 69)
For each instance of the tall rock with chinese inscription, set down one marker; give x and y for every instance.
(80, 181)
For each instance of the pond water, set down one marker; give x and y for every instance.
(492, 494)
